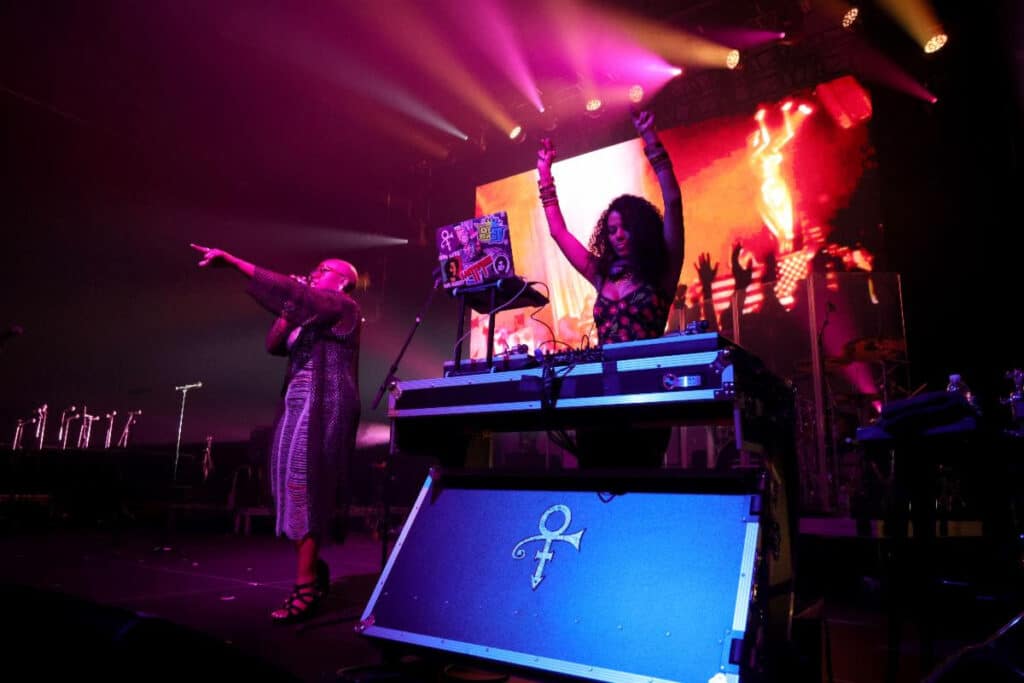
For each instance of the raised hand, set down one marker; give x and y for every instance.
(545, 157)
(212, 256)
(742, 276)
(705, 271)
(643, 121)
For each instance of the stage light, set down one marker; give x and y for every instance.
(517, 134)
(636, 93)
(805, 109)
(850, 17)
(677, 71)
(732, 60)
(593, 107)
(935, 43)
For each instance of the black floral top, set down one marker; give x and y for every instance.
(641, 314)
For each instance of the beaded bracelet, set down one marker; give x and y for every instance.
(654, 149)
(548, 195)
(657, 156)
(660, 163)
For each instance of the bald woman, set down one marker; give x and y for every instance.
(317, 327)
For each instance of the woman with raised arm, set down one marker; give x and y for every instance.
(633, 261)
(317, 327)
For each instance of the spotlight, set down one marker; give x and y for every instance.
(517, 134)
(636, 93)
(850, 17)
(593, 107)
(732, 60)
(935, 43)
(676, 71)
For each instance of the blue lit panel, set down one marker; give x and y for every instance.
(634, 587)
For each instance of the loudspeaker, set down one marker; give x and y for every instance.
(610, 577)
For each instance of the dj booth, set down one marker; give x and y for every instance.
(657, 575)
(677, 379)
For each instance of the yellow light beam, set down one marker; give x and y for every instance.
(916, 17)
(675, 45)
(413, 34)
(568, 16)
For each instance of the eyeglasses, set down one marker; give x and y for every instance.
(324, 269)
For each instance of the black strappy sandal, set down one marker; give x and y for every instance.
(303, 602)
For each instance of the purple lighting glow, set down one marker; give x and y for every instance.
(498, 42)
(872, 65)
(323, 60)
(605, 53)
(743, 38)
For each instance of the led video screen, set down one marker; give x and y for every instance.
(792, 183)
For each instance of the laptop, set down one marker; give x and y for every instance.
(475, 251)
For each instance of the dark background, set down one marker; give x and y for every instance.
(131, 129)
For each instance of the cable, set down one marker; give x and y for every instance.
(547, 295)
(493, 311)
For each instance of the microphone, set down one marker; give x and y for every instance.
(186, 387)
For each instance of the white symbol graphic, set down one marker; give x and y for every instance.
(548, 536)
(446, 240)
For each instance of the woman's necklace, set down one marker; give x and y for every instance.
(620, 270)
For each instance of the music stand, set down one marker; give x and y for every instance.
(505, 293)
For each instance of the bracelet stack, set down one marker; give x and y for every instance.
(658, 157)
(548, 196)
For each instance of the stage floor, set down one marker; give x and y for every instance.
(224, 586)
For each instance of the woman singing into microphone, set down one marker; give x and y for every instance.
(317, 328)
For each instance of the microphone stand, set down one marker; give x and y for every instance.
(385, 466)
(401, 352)
(181, 420)
(830, 442)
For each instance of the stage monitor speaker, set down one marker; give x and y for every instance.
(625, 578)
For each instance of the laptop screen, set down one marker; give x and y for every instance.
(475, 251)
